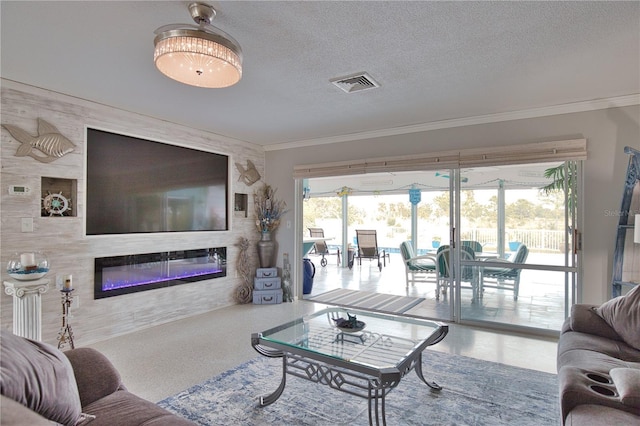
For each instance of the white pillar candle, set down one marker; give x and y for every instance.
(67, 282)
(27, 259)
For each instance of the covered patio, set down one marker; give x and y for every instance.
(540, 303)
(497, 208)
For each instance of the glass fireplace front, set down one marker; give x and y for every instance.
(118, 275)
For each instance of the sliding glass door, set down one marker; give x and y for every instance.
(504, 236)
(522, 230)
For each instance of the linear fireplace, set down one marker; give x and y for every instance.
(118, 275)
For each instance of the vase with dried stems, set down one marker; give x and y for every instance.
(268, 212)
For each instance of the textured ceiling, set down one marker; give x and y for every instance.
(434, 60)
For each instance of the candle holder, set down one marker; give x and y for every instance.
(65, 335)
(67, 283)
(28, 266)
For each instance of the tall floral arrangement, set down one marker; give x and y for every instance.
(268, 209)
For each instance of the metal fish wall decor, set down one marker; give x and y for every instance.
(48, 141)
(249, 175)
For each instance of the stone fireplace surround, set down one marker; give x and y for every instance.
(63, 238)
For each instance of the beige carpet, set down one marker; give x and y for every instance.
(368, 300)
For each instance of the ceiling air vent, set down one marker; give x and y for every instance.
(355, 82)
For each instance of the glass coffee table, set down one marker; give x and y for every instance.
(366, 357)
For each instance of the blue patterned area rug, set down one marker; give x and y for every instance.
(368, 300)
(474, 392)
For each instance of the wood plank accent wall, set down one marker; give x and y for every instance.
(63, 240)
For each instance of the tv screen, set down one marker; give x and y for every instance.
(141, 186)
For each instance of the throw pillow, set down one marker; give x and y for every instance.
(585, 319)
(627, 381)
(623, 315)
(40, 377)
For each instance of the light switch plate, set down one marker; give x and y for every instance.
(26, 224)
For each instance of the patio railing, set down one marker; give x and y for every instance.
(539, 240)
(534, 239)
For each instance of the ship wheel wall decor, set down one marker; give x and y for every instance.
(56, 204)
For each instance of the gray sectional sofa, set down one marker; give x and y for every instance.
(599, 363)
(41, 385)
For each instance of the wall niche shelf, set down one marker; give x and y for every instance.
(58, 196)
(240, 203)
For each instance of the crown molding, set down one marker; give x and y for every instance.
(87, 103)
(593, 105)
(583, 106)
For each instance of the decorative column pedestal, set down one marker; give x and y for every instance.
(27, 307)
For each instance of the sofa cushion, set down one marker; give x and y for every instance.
(598, 415)
(16, 414)
(623, 315)
(627, 381)
(593, 361)
(125, 408)
(40, 377)
(575, 348)
(95, 375)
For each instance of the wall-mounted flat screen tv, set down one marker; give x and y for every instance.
(141, 186)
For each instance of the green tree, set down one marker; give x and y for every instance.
(393, 211)
(471, 209)
(329, 208)
(441, 205)
(490, 219)
(520, 213)
(424, 211)
(565, 172)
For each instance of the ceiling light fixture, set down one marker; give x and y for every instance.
(201, 55)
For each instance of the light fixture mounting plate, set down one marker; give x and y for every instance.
(202, 13)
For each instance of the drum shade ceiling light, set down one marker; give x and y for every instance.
(201, 55)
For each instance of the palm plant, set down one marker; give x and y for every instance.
(565, 172)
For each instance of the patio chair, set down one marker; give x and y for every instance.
(468, 273)
(507, 278)
(418, 268)
(474, 245)
(367, 241)
(320, 247)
